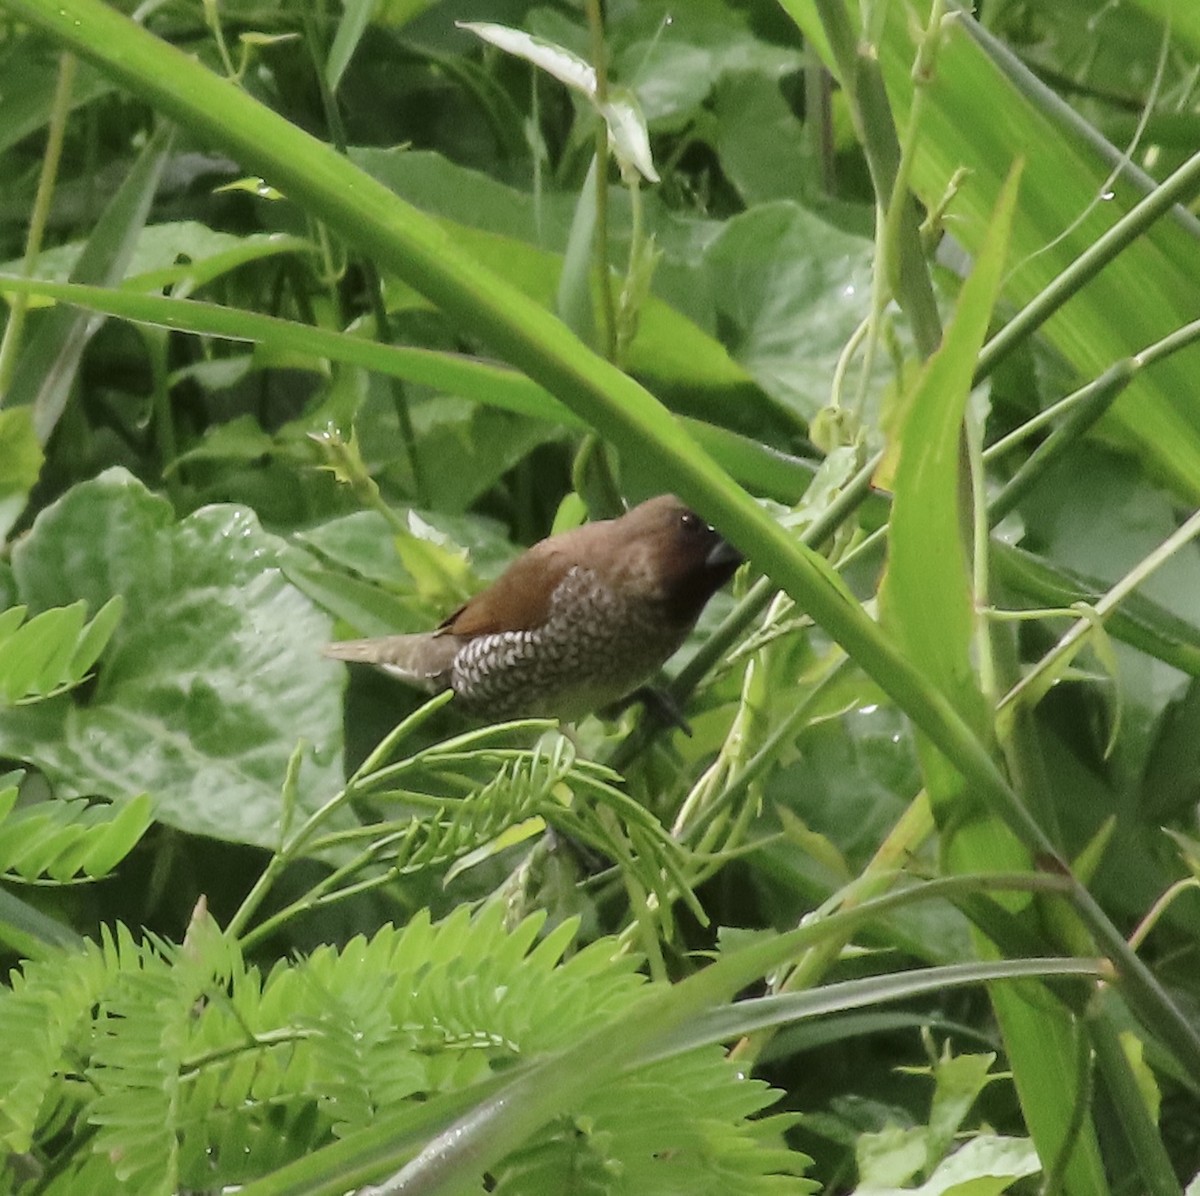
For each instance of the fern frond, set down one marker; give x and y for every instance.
(45, 1018)
(199, 1073)
(64, 840)
(135, 1072)
(519, 787)
(680, 1125)
(53, 651)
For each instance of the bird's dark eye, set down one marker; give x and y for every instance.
(693, 523)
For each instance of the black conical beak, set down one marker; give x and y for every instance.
(723, 555)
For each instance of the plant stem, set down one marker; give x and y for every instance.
(608, 307)
(1179, 188)
(1049, 666)
(60, 110)
(862, 81)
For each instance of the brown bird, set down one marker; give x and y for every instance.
(577, 622)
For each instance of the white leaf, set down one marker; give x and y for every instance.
(566, 67)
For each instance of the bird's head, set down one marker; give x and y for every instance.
(662, 550)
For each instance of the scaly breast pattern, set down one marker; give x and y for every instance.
(595, 646)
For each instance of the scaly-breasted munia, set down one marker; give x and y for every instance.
(577, 622)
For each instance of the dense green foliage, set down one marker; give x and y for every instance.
(315, 314)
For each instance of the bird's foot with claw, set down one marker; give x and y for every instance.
(658, 704)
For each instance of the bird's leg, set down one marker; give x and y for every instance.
(657, 703)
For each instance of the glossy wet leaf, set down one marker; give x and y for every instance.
(209, 681)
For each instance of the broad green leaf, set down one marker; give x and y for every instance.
(675, 57)
(926, 595)
(366, 607)
(673, 349)
(759, 139)
(362, 543)
(466, 448)
(10, 620)
(790, 289)
(360, 576)
(889, 1158)
(985, 1165)
(209, 680)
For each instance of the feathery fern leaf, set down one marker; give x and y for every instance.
(680, 1125)
(468, 797)
(140, 1027)
(67, 840)
(202, 1073)
(53, 651)
(45, 1020)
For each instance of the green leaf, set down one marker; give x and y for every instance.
(207, 682)
(63, 841)
(48, 363)
(30, 81)
(983, 108)
(356, 16)
(958, 1081)
(483, 304)
(28, 932)
(671, 348)
(20, 464)
(51, 652)
(182, 254)
(34, 660)
(573, 298)
(926, 600)
(94, 639)
(105, 851)
(480, 380)
(758, 137)
(791, 289)
(197, 1064)
(926, 595)
(985, 1165)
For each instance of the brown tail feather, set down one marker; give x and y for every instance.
(421, 659)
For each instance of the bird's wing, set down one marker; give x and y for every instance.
(519, 599)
